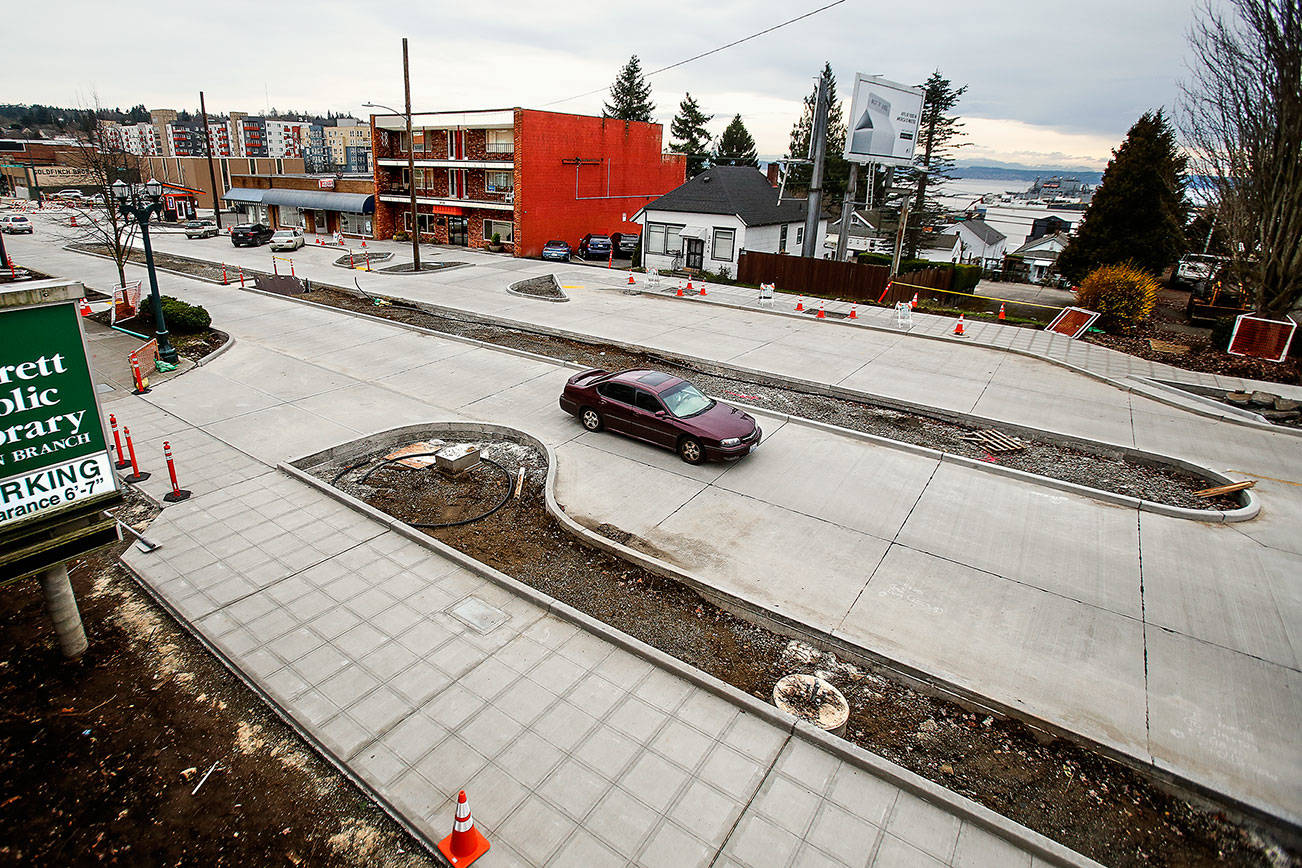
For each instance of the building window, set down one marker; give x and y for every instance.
(358, 224)
(499, 141)
(724, 242)
(418, 136)
(800, 235)
(426, 222)
(663, 238)
(502, 227)
(782, 239)
(499, 182)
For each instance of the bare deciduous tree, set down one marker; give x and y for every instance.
(1242, 119)
(100, 162)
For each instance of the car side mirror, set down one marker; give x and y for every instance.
(661, 414)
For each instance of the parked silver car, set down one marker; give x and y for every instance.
(200, 229)
(288, 239)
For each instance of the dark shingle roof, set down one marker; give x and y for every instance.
(738, 190)
(983, 230)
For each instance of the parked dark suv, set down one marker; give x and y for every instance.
(251, 234)
(624, 242)
(594, 247)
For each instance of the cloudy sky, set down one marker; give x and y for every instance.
(1049, 84)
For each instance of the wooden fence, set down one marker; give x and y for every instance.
(846, 280)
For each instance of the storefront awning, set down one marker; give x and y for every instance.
(692, 232)
(321, 200)
(243, 194)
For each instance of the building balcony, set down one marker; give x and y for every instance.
(403, 197)
(431, 162)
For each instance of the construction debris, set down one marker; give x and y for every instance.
(994, 441)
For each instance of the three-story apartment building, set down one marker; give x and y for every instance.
(528, 176)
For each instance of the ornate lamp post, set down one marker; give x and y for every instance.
(140, 202)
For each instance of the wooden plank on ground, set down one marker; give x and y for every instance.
(1225, 489)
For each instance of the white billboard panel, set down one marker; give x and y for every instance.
(883, 123)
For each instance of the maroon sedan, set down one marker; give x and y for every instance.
(662, 409)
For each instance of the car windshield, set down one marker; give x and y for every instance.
(284, 233)
(685, 400)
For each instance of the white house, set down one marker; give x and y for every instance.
(1041, 255)
(939, 247)
(982, 244)
(707, 222)
(869, 232)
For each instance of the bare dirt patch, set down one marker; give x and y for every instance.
(1093, 805)
(101, 756)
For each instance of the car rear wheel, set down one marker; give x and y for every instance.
(689, 449)
(591, 419)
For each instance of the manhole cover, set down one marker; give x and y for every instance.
(478, 615)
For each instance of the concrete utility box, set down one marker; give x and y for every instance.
(456, 459)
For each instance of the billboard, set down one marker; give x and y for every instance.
(883, 122)
(52, 448)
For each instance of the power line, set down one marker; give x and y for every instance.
(711, 51)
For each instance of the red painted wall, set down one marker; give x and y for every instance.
(622, 170)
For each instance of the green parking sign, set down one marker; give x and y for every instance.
(52, 448)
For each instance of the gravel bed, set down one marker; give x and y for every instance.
(1063, 790)
(357, 259)
(1099, 469)
(543, 287)
(409, 267)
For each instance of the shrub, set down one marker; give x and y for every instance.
(1123, 295)
(184, 318)
(966, 277)
(497, 237)
(1222, 330)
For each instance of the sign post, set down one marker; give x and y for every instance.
(56, 474)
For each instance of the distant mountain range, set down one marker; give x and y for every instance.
(1008, 173)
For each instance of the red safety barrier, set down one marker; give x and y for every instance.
(177, 493)
(224, 280)
(136, 475)
(368, 259)
(141, 386)
(241, 277)
(122, 462)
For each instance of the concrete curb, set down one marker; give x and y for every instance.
(556, 283)
(226, 345)
(1041, 846)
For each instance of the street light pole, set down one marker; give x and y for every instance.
(132, 206)
(411, 163)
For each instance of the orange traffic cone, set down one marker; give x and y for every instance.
(958, 326)
(703, 292)
(83, 308)
(914, 304)
(630, 278)
(689, 284)
(821, 315)
(465, 844)
(363, 243)
(680, 290)
(853, 313)
(800, 303)
(1001, 311)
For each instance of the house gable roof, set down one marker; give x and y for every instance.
(736, 190)
(1059, 238)
(984, 231)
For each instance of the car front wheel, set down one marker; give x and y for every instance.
(591, 419)
(689, 449)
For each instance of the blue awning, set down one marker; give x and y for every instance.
(244, 194)
(320, 200)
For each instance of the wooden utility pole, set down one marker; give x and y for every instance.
(212, 173)
(411, 163)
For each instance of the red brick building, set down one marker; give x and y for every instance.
(527, 175)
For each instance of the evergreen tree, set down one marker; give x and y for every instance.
(735, 147)
(1137, 213)
(938, 134)
(836, 169)
(630, 95)
(689, 135)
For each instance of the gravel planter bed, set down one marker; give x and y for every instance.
(544, 286)
(1161, 484)
(1096, 806)
(358, 259)
(408, 267)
